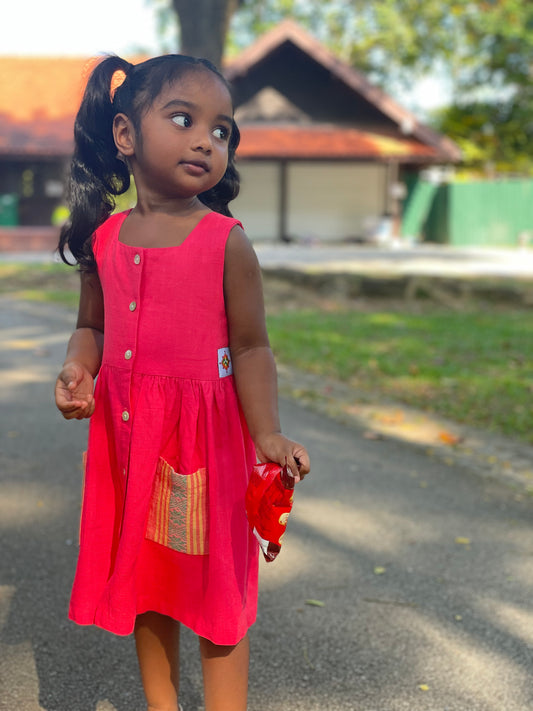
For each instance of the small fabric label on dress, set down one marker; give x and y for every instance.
(225, 366)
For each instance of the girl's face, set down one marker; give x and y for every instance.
(183, 147)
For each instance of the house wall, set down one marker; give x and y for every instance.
(257, 203)
(325, 201)
(334, 201)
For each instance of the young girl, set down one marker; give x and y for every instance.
(171, 319)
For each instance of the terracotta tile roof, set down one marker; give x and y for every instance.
(328, 142)
(39, 98)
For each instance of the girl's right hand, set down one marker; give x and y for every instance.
(74, 392)
(277, 448)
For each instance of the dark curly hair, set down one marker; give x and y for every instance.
(97, 174)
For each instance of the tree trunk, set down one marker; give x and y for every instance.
(204, 25)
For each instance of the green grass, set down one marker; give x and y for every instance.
(57, 283)
(66, 298)
(473, 367)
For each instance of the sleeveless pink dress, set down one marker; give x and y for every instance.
(163, 524)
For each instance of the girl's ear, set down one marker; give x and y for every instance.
(124, 135)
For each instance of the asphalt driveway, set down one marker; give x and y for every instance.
(404, 583)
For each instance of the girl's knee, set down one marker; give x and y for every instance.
(210, 649)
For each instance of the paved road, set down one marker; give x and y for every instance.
(424, 570)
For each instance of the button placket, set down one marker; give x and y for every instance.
(131, 340)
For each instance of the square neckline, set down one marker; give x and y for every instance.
(156, 249)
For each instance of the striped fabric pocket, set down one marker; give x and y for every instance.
(178, 510)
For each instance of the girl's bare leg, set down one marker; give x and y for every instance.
(157, 642)
(225, 671)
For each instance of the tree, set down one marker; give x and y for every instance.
(203, 24)
(492, 115)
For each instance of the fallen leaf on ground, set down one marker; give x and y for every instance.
(379, 570)
(423, 687)
(462, 541)
(315, 603)
(449, 438)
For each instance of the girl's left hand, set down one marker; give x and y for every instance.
(277, 448)
(74, 392)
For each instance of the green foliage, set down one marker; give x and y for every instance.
(494, 137)
(492, 116)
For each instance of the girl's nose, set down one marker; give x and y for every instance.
(202, 142)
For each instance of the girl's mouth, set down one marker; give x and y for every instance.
(195, 167)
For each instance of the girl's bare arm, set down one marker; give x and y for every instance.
(75, 383)
(253, 362)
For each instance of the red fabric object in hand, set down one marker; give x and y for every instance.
(269, 500)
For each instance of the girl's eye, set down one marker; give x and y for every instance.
(182, 120)
(221, 133)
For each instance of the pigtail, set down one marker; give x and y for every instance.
(219, 196)
(97, 175)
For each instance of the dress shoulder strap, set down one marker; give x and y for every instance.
(218, 227)
(107, 231)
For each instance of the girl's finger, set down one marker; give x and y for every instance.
(302, 458)
(293, 464)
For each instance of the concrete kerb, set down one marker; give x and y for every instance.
(448, 290)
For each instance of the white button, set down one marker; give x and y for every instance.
(137, 259)
(124, 472)
(125, 415)
(128, 354)
(133, 306)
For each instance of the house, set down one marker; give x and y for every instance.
(323, 152)
(39, 98)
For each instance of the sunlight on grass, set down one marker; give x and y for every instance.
(469, 366)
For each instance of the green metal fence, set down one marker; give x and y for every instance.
(8, 210)
(495, 213)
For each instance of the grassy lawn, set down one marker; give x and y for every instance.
(472, 366)
(53, 282)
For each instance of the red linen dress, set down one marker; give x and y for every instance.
(163, 524)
